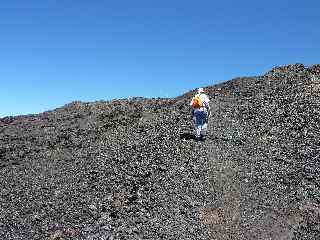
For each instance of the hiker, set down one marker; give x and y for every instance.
(201, 112)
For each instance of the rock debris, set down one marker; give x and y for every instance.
(130, 168)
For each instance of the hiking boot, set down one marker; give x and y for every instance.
(202, 138)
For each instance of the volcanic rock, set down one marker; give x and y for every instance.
(130, 168)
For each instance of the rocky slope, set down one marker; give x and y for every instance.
(130, 169)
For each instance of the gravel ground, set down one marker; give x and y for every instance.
(130, 169)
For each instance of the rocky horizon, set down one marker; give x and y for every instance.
(130, 168)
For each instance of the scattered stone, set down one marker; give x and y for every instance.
(131, 169)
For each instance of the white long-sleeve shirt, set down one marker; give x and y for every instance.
(204, 98)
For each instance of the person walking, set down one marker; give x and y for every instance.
(201, 112)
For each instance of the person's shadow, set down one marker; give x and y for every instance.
(187, 136)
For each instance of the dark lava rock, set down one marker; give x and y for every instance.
(130, 169)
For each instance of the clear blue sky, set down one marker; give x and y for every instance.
(54, 52)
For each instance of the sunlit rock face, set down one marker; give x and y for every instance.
(131, 169)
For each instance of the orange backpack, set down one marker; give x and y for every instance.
(197, 102)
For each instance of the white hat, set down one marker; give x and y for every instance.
(200, 90)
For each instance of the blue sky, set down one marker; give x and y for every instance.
(54, 52)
